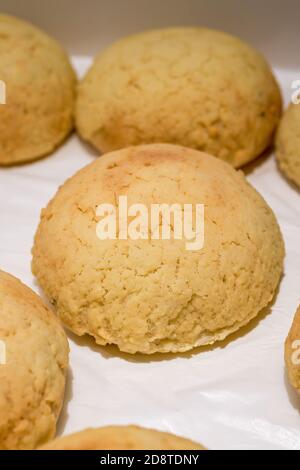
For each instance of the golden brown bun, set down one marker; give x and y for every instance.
(154, 295)
(292, 352)
(32, 381)
(288, 144)
(122, 438)
(40, 88)
(195, 87)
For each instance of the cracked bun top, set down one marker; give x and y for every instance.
(32, 371)
(292, 352)
(288, 144)
(154, 295)
(40, 92)
(195, 87)
(122, 438)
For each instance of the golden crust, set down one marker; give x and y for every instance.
(40, 92)
(189, 86)
(153, 295)
(122, 438)
(292, 352)
(32, 381)
(288, 144)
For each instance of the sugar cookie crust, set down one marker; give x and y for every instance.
(122, 438)
(40, 92)
(33, 379)
(194, 87)
(292, 352)
(153, 295)
(288, 144)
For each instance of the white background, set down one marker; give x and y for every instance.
(231, 396)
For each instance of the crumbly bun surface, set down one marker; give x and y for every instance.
(292, 352)
(40, 92)
(155, 295)
(32, 381)
(194, 87)
(122, 438)
(288, 144)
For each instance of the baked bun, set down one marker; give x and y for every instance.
(33, 367)
(122, 438)
(195, 87)
(288, 144)
(158, 295)
(40, 92)
(292, 352)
